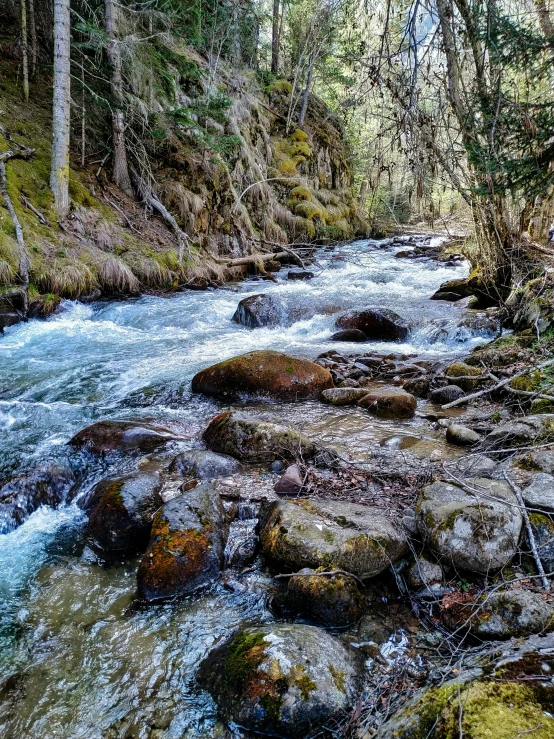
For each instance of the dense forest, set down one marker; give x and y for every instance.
(276, 369)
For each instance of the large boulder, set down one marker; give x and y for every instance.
(258, 311)
(251, 440)
(382, 324)
(122, 436)
(204, 465)
(120, 512)
(47, 485)
(539, 494)
(283, 679)
(327, 600)
(389, 402)
(186, 546)
(475, 531)
(264, 372)
(315, 533)
(523, 432)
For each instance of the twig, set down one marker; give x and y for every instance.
(122, 214)
(32, 208)
(531, 536)
(322, 574)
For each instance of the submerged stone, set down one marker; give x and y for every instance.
(122, 436)
(284, 679)
(264, 372)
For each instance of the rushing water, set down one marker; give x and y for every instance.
(77, 657)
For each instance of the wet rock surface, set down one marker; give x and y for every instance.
(318, 533)
(264, 372)
(259, 311)
(186, 546)
(325, 600)
(204, 465)
(389, 403)
(375, 323)
(122, 436)
(286, 679)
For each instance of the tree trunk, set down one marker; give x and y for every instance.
(120, 167)
(59, 175)
(545, 19)
(34, 43)
(306, 95)
(275, 36)
(24, 50)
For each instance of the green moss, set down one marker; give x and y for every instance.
(272, 705)
(299, 135)
(338, 678)
(245, 654)
(280, 86)
(304, 682)
(300, 193)
(529, 383)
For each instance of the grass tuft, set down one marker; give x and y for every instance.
(117, 277)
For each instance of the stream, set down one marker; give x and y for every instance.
(78, 657)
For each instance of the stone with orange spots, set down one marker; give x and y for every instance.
(264, 373)
(186, 545)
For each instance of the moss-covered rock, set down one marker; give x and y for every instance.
(285, 680)
(186, 545)
(475, 531)
(389, 402)
(523, 432)
(460, 372)
(251, 440)
(543, 532)
(317, 533)
(264, 372)
(122, 436)
(326, 600)
(120, 512)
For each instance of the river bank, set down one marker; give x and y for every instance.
(82, 656)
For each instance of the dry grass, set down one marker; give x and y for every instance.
(116, 277)
(67, 278)
(7, 272)
(152, 273)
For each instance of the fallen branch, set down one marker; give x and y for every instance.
(31, 207)
(123, 215)
(256, 259)
(530, 535)
(499, 385)
(321, 574)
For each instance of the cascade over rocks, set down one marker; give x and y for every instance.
(283, 679)
(476, 532)
(251, 440)
(389, 402)
(122, 436)
(120, 512)
(21, 495)
(264, 372)
(320, 533)
(384, 325)
(187, 544)
(204, 465)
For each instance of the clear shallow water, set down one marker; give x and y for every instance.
(80, 660)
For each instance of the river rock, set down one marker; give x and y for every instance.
(479, 532)
(523, 432)
(475, 465)
(541, 461)
(48, 484)
(122, 436)
(460, 372)
(315, 533)
(282, 679)
(481, 324)
(9, 318)
(264, 372)
(186, 546)
(418, 386)
(447, 394)
(424, 573)
(259, 311)
(343, 395)
(120, 512)
(500, 615)
(204, 465)
(461, 435)
(376, 323)
(539, 494)
(327, 600)
(543, 533)
(447, 296)
(460, 288)
(299, 274)
(291, 481)
(251, 440)
(349, 334)
(389, 402)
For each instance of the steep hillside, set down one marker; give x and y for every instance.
(225, 164)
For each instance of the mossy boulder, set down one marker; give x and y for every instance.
(330, 533)
(284, 679)
(498, 615)
(204, 465)
(389, 402)
(478, 710)
(475, 528)
(523, 432)
(252, 440)
(326, 600)
(264, 372)
(48, 484)
(376, 323)
(120, 512)
(457, 288)
(186, 546)
(122, 436)
(463, 375)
